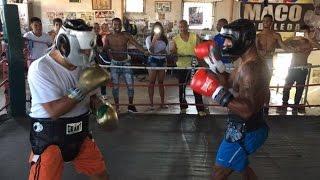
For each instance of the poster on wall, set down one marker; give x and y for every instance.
(101, 4)
(195, 16)
(104, 14)
(86, 16)
(70, 15)
(51, 16)
(60, 15)
(288, 17)
(162, 6)
(315, 76)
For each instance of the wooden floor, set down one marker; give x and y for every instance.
(148, 146)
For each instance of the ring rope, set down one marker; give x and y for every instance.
(187, 84)
(163, 54)
(4, 107)
(141, 54)
(214, 105)
(190, 68)
(42, 42)
(4, 82)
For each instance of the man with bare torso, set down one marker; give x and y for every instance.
(303, 47)
(246, 128)
(117, 43)
(268, 40)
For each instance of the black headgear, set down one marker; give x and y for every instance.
(242, 33)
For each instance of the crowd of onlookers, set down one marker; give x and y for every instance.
(111, 41)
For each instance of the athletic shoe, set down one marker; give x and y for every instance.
(151, 108)
(132, 109)
(183, 111)
(281, 109)
(202, 113)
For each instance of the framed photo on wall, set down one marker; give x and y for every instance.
(162, 6)
(195, 16)
(198, 15)
(101, 4)
(134, 6)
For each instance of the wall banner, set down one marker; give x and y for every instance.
(287, 17)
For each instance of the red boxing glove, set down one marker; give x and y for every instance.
(204, 83)
(202, 50)
(209, 52)
(207, 85)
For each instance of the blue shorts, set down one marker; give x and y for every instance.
(235, 155)
(155, 62)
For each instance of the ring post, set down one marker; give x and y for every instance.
(12, 35)
(305, 100)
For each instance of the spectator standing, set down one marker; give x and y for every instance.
(117, 43)
(184, 44)
(38, 41)
(157, 43)
(57, 23)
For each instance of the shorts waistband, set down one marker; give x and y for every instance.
(85, 115)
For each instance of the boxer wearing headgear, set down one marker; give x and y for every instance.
(246, 129)
(60, 88)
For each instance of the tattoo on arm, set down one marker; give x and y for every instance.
(282, 44)
(315, 44)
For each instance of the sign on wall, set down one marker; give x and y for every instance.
(287, 17)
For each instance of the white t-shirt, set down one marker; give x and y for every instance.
(158, 47)
(49, 81)
(37, 45)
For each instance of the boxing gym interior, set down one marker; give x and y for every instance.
(159, 128)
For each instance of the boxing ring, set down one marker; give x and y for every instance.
(169, 145)
(172, 84)
(149, 146)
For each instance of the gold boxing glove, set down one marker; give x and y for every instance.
(107, 116)
(90, 79)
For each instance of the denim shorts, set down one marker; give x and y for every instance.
(155, 62)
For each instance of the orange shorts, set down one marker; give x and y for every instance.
(49, 165)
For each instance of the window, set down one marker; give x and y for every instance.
(198, 15)
(134, 6)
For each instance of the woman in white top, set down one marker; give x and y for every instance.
(157, 43)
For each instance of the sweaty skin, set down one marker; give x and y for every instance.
(250, 81)
(303, 48)
(268, 40)
(118, 41)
